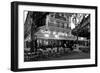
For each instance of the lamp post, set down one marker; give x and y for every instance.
(75, 22)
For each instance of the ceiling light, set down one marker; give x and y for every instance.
(46, 35)
(56, 36)
(54, 33)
